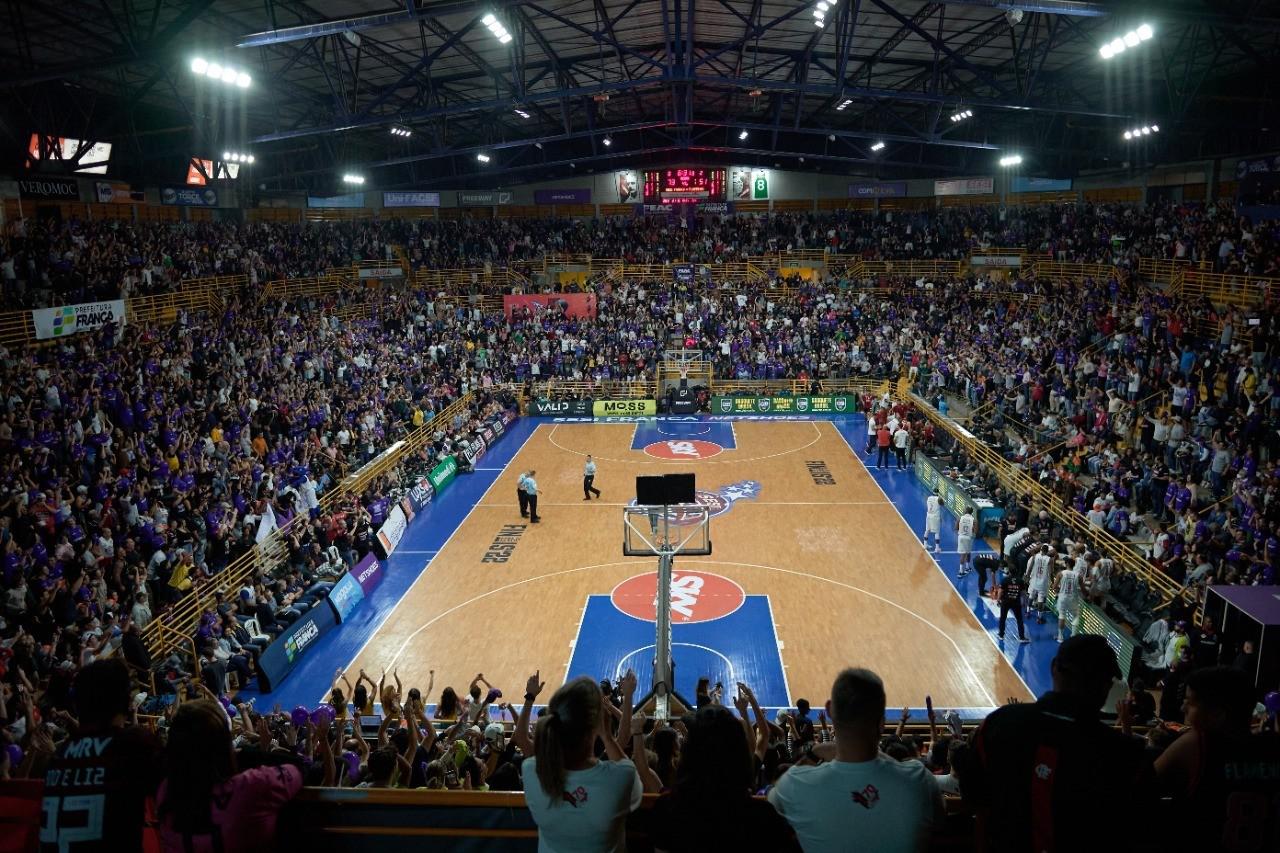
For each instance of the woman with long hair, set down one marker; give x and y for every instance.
(205, 805)
(447, 707)
(712, 794)
(579, 802)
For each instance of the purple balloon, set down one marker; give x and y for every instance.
(299, 716)
(15, 755)
(1272, 701)
(353, 764)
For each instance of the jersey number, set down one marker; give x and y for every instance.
(91, 805)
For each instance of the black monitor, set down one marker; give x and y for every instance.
(665, 490)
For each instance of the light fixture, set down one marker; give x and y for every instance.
(1128, 134)
(482, 157)
(521, 113)
(1155, 128)
(844, 105)
(1144, 130)
(236, 157)
(350, 178)
(496, 28)
(877, 146)
(220, 72)
(1120, 44)
(743, 134)
(538, 145)
(607, 141)
(1011, 160)
(396, 130)
(961, 115)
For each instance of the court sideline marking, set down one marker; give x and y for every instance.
(938, 566)
(816, 438)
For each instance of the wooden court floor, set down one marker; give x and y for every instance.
(847, 581)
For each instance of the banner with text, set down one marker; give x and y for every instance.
(606, 408)
(1022, 184)
(810, 405)
(392, 530)
(346, 200)
(109, 193)
(189, 196)
(410, 199)
(285, 652)
(576, 196)
(894, 189)
(64, 189)
(574, 305)
(548, 408)
(70, 319)
(964, 186)
(483, 199)
(443, 474)
(381, 272)
(995, 260)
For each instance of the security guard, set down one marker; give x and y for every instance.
(531, 495)
(588, 478)
(521, 496)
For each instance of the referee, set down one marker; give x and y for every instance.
(521, 496)
(588, 479)
(531, 496)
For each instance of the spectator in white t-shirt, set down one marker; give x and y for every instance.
(579, 802)
(863, 800)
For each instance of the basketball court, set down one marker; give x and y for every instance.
(813, 568)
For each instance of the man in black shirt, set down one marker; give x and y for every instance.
(1050, 775)
(1011, 599)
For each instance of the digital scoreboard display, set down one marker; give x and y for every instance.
(681, 186)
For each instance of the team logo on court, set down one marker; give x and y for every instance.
(695, 597)
(717, 502)
(683, 448)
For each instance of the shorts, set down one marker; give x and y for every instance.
(1037, 593)
(964, 544)
(932, 523)
(1068, 609)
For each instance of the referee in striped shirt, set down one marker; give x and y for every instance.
(588, 479)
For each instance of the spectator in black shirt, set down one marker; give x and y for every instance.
(1011, 599)
(1048, 775)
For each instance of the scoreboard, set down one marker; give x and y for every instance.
(683, 186)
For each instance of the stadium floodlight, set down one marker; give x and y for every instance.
(495, 26)
(1155, 128)
(397, 130)
(743, 134)
(961, 115)
(483, 158)
(1120, 44)
(844, 105)
(350, 178)
(878, 146)
(607, 141)
(222, 73)
(1139, 132)
(236, 157)
(1128, 134)
(1011, 160)
(521, 113)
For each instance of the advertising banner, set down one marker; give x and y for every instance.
(655, 209)
(683, 273)
(486, 432)
(410, 199)
(381, 272)
(70, 319)
(964, 186)
(995, 260)
(892, 189)
(345, 200)
(486, 198)
(109, 193)
(278, 659)
(443, 474)
(497, 425)
(64, 189)
(721, 207)
(189, 196)
(575, 408)
(625, 186)
(1023, 184)
(421, 494)
(605, 408)
(574, 305)
(809, 405)
(368, 573)
(392, 530)
(474, 450)
(577, 196)
(345, 596)
(1256, 165)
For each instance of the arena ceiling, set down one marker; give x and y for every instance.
(665, 81)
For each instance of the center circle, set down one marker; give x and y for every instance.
(695, 597)
(677, 449)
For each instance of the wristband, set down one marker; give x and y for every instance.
(529, 697)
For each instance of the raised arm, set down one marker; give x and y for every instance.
(531, 690)
(649, 779)
(628, 687)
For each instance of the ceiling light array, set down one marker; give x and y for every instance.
(844, 105)
(1139, 132)
(961, 116)
(1120, 44)
(877, 146)
(1011, 160)
(495, 26)
(521, 113)
(350, 178)
(236, 157)
(401, 131)
(222, 73)
(820, 10)
(483, 158)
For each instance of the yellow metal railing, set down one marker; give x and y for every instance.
(1224, 288)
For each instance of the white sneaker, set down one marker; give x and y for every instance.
(937, 549)
(1059, 638)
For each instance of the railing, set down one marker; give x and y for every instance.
(1241, 290)
(1021, 483)
(799, 387)
(605, 389)
(165, 634)
(1058, 269)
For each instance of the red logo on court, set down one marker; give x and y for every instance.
(695, 597)
(684, 448)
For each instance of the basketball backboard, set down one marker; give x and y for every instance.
(683, 530)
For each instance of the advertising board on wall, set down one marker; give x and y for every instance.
(63, 189)
(964, 186)
(563, 196)
(748, 184)
(892, 189)
(487, 198)
(410, 199)
(189, 196)
(67, 320)
(574, 305)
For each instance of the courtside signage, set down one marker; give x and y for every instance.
(837, 405)
(70, 319)
(576, 408)
(605, 408)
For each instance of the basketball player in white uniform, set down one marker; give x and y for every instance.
(1068, 600)
(933, 522)
(1039, 573)
(964, 541)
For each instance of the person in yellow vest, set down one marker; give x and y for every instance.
(418, 417)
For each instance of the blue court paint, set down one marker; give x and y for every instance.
(1031, 661)
(427, 533)
(739, 647)
(674, 430)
